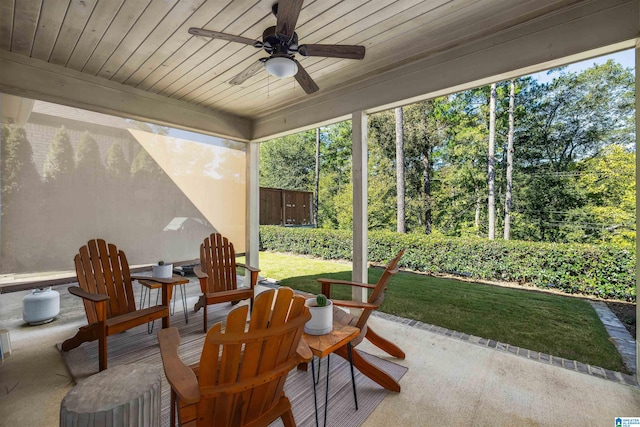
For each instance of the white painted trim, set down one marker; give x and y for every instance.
(637, 210)
(360, 218)
(578, 32)
(252, 230)
(32, 78)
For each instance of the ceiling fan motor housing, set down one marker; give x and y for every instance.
(279, 45)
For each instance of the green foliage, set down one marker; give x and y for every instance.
(569, 184)
(88, 162)
(59, 164)
(18, 170)
(604, 271)
(289, 162)
(144, 170)
(117, 165)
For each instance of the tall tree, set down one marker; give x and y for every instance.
(117, 166)
(491, 179)
(509, 183)
(20, 219)
(19, 175)
(567, 121)
(335, 171)
(401, 225)
(59, 164)
(608, 185)
(288, 162)
(89, 166)
(145, 170)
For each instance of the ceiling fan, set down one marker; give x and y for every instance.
(281, 43)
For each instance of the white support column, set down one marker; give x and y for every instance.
(252, 223)
(360, 219)
(637, 207)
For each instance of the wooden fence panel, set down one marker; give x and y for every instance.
(271, 206)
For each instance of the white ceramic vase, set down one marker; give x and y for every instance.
(321, 321)
(164, 271)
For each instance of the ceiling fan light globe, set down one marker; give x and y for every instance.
(281, 67)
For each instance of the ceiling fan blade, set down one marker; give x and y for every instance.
(250, 71)
(332, 50)
(288, 12)
(305, 80)
(223, 36)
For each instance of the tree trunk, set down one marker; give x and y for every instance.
(427, 192)
(315, 204)
(402, 228)
(507, 199)
(476, 224)
(491, 161)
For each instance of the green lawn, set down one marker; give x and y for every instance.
(557, 325)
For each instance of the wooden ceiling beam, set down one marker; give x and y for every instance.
(32, 78)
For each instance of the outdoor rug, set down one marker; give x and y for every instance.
(137, 346)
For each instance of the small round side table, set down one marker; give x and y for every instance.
(125, 395)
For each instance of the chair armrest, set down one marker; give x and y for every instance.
(199, 273)
(326, 285)
(181, 378)
(79, 292)
(248, 267)
(304, 352)
(355, 304)
(346, 282)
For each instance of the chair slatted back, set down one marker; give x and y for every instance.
(218, 260)
(242, 373)
(377, 294)
(102, 269)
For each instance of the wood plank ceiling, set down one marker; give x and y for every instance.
(145, 43)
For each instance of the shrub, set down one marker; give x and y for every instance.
(605, 271)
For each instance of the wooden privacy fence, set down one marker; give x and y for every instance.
(285, 207)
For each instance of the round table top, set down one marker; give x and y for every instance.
(112, 387)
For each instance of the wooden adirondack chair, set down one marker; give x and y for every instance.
(375, 300)
(106, 290)
(241, 375)
(218, 277)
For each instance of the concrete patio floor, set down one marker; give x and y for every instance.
(449, 382)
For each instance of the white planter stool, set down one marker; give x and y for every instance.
(5, 343)
(41, 306)
(125, 395)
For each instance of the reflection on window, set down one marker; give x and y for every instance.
(70, 175)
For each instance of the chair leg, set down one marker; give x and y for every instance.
(288, 420)
(201, 303)
(205, 315)
(173, 408)
(371, 371)
(383, 344)
(102, 353)
(85, 334)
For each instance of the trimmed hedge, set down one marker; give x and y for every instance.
(604, 271)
